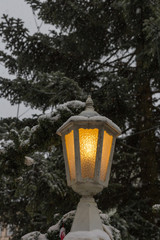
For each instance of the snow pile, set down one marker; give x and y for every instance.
(108, 233)
(71, 104)
(28, 161)
(69, 215)
(6, 144)
(108, 230)
(55, 227)
(67, 106)
(64, 219)
(156, 208)
(88, 235)
(34, 235)
(49, 116)
(113, 232)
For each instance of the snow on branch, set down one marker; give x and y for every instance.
(108, 232)
(156, 208)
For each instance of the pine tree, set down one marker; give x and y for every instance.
(103, 47)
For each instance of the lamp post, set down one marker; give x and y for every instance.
(88, 145)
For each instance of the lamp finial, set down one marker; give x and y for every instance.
(89, 103)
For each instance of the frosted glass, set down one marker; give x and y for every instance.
(88, 139)
(106, 150)
(69, 140)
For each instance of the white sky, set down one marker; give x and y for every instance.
(17, 9)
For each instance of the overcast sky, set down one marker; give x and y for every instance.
(17, 9)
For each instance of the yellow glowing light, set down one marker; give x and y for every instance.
(69, 140)
(106, 150)
(88, 139)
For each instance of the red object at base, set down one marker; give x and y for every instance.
(62, 233)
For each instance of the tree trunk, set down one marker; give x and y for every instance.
(144, 125)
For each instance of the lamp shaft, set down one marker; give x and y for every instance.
(87, 216)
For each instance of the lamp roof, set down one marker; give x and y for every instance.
(88, 116)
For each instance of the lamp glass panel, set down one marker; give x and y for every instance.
(106, 150)
(88, 139)
(69, 141)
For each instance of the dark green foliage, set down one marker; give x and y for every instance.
(107, 48)
(33, 183)
(41, 91)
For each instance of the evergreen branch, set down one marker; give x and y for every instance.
(129, 146)
(121, 58)
(143, 131)
(155, 92)
(108, 63)
(35, 4)
(9, 62)
(13, 34)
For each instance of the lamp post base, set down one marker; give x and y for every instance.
(88, 235)
(87, 216)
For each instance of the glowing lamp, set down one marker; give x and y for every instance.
(88, 145)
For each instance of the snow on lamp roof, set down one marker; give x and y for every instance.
(89, 115)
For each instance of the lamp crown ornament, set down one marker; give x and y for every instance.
(89, 104)
(88, 145)
(89, 109)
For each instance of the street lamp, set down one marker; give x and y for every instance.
(88, 145)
